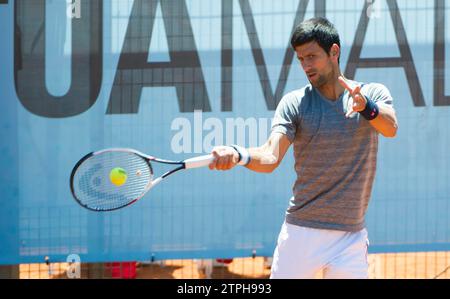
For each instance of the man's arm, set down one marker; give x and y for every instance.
(265, 158)
(268, 156)
(386, 121)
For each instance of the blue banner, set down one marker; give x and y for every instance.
(173, 79)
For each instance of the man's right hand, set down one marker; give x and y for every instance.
(225, 158)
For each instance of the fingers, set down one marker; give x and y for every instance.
(356, 103)
(212, 165)
(344, 84)
(350, 108)
(222, 162)
(356, 91)
(225, 158)
(359, 102)
(353, 90)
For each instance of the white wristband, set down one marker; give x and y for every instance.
(244, 155)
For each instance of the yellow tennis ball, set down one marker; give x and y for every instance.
(118, 176)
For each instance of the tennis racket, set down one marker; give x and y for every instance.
(114, 178)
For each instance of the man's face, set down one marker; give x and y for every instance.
(316, 63)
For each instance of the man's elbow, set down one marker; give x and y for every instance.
(269, 168)
(391, 132)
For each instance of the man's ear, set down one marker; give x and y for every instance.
(335, 52)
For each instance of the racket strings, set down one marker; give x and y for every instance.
(95, 189)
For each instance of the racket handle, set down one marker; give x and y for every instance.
(200, 161)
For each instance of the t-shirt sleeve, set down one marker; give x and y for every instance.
(286, 117)
(379, 94)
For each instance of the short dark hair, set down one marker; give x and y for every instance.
(316, 29)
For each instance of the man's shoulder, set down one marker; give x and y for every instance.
(298, 95)
(377, 92)
(373, 86)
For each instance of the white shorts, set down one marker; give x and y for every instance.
(302, 252)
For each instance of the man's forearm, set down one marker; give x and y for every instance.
(262, 159)
(386, 122)
(268, 156)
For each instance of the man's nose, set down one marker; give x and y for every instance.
(307, 68)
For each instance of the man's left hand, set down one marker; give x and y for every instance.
(357, 102)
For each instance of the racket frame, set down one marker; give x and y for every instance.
(148, 159)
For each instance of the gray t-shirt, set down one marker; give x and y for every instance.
(335, 157)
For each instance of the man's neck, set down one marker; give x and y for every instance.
(332, 90)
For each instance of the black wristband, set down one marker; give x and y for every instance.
(371, 111)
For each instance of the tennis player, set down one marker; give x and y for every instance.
(334, 124)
